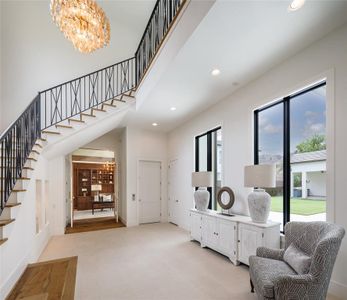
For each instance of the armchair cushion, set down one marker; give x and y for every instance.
(264, 271)
(270, 253)
(297, 259)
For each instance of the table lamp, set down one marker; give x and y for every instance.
(259, 201)
(202, 180)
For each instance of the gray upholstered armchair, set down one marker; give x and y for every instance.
(273, 278)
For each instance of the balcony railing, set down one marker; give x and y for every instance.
(158, 26)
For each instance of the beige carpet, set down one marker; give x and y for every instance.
(156, 261)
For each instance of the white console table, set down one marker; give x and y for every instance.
(236, 237)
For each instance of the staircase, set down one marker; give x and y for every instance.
(68, 108)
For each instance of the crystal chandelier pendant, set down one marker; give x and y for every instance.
(83, 23)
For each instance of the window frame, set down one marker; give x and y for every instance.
(208, 135)
(286, 142)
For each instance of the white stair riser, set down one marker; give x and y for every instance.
(30, 164)
(34, 155)
(9, 213)
(21, 184)
(6, 230)
(16, 198)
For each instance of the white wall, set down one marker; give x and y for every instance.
(316, 183)
(325, 58)
(144, 145)
(36, 56)
(24, 245)
(58, 205)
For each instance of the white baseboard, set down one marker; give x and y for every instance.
(122, 220)
(337, 289)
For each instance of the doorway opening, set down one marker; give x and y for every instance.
(94, 191)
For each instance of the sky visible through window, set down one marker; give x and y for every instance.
(308, 114)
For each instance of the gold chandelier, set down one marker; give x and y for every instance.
(83, 22)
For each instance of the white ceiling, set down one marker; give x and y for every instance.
(132, 14)
(244, 39)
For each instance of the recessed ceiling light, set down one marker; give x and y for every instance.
(154, 124)
(296, 4)
(215, 72)
(173, 108)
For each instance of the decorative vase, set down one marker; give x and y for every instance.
(202, 199)
(259, 203)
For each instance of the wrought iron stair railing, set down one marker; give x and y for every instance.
(78, 95)
(16, 144)
(71, 98)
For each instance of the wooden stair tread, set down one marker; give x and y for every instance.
(50, 132)
(13, 204)
(43, 139)
(63, 126)
(31, 158)
(99, 109)
(6, 222)
(2, 241)
(28, 168)
(88, 115)
(19, 178)
(76, 120)
(17, 191)
(35, 151)
(112, 105)
(38, 145)
(131, 96)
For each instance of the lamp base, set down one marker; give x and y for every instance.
(259, 203)
(202, 199)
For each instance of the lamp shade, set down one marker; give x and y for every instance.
(260, 176)
(96, 187)
(202, 179)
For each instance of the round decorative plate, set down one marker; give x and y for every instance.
(230, 192)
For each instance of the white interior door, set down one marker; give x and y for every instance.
(173, 199)
(149, 191)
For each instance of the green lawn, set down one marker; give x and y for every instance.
(299, 206)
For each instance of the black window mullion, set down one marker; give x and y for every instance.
(256, 137)
(209, 164)
(286, 161)
(197, 154)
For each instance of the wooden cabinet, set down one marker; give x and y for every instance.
(236, 237)
(86, 175)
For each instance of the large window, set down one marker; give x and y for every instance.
(208, 157)
(291, 134)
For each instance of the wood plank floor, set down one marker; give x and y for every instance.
(48, 280)
(94, 224)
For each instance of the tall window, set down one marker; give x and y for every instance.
(208, 157)
(291, 134)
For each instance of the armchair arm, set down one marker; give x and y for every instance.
(270, 253)
(294, 285)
